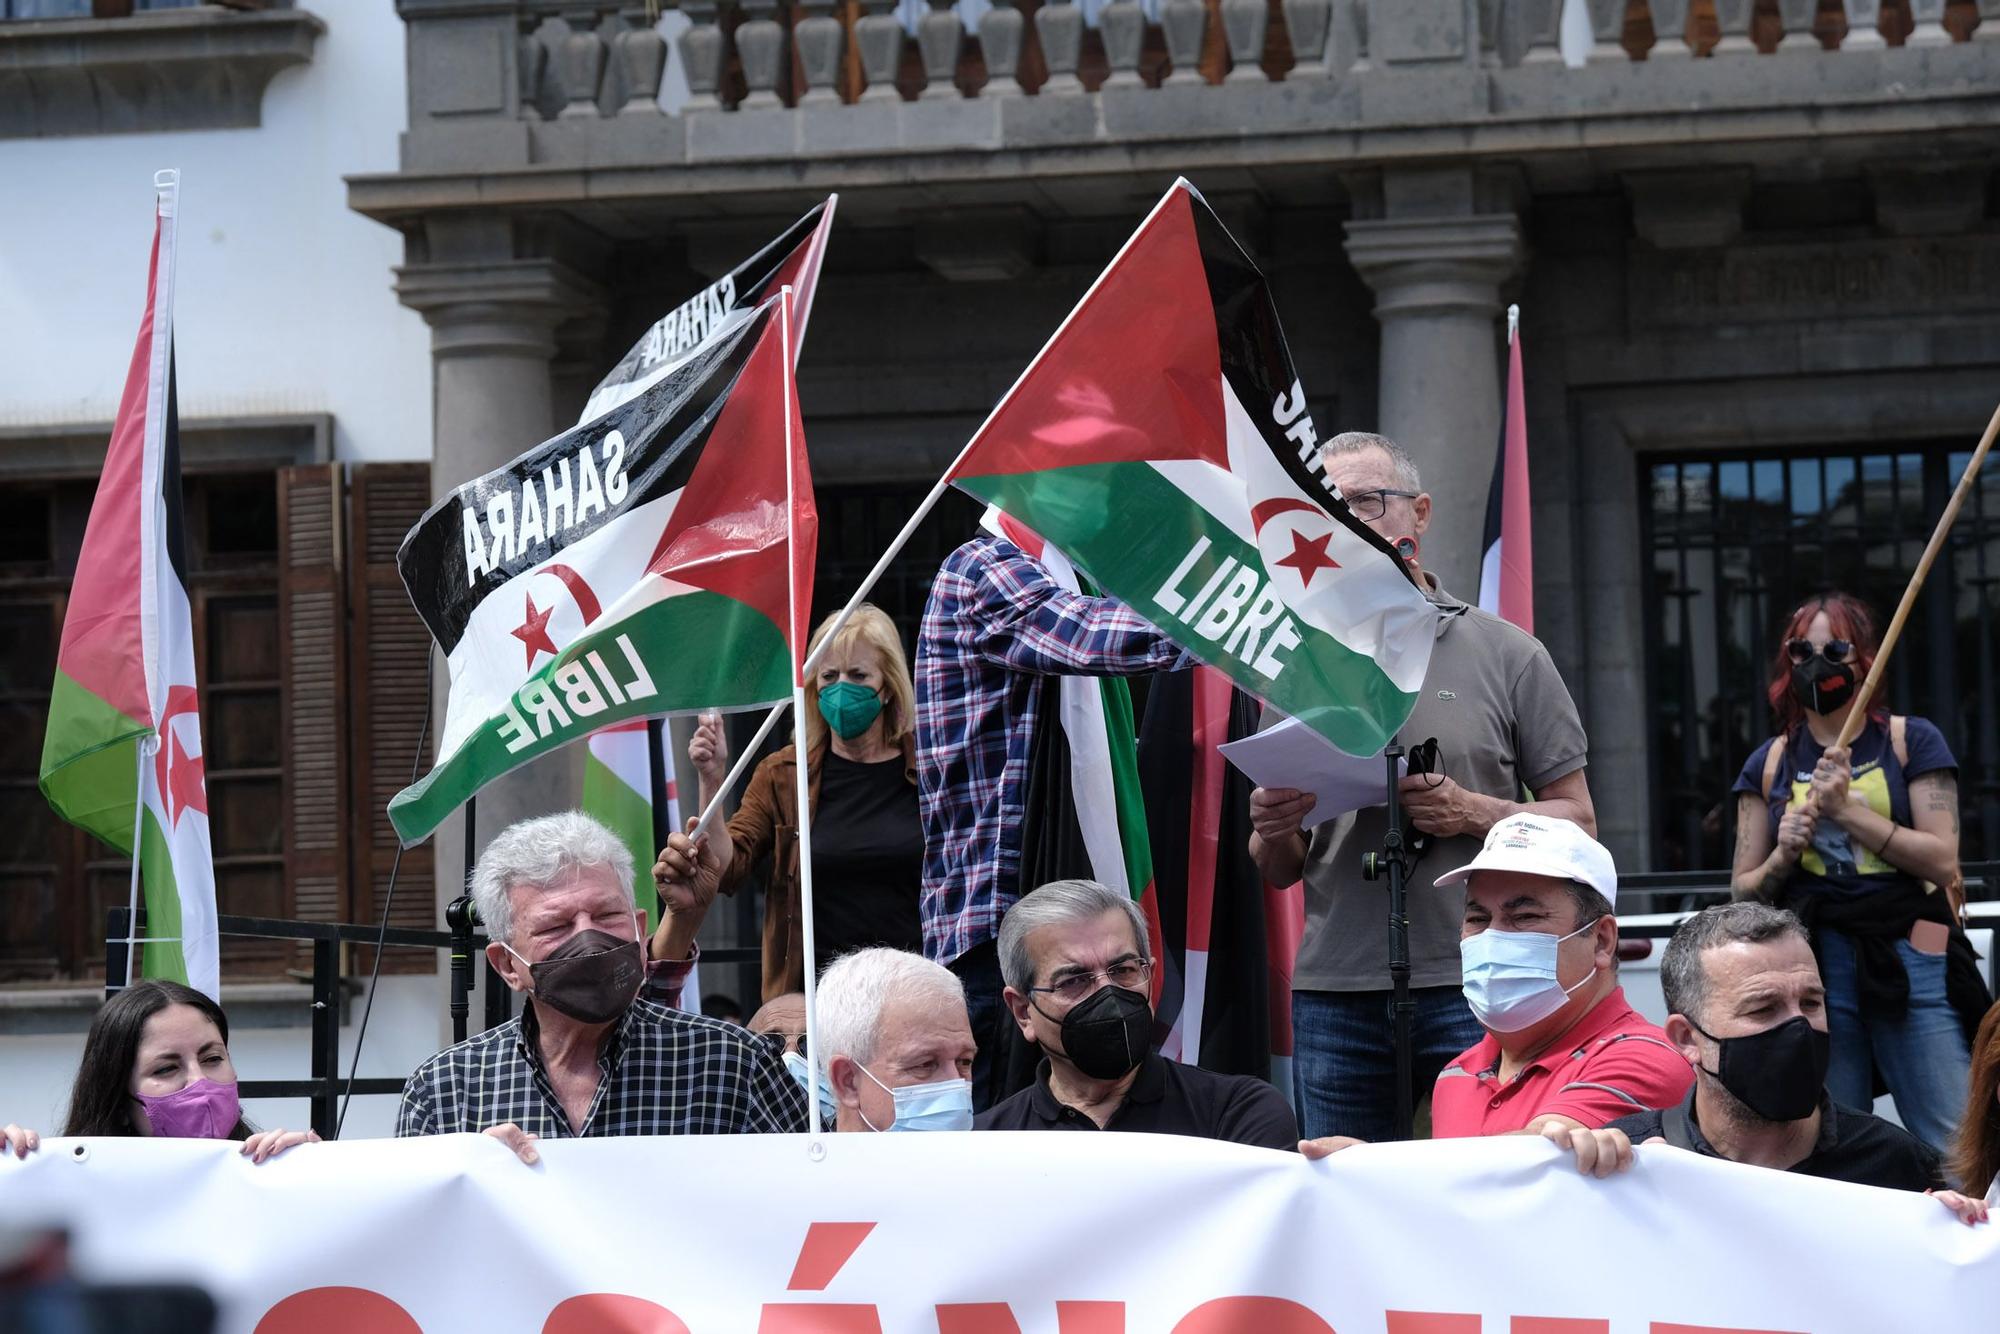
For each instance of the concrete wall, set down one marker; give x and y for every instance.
(284, 303)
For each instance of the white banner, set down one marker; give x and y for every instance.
(1040, 1234)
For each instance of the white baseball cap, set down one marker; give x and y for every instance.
(1543, 845)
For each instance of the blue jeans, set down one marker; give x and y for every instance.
(1922, 1055)
(1344, 1056)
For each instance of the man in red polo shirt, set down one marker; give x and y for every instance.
(1538, 952)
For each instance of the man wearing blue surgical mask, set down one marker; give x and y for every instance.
(1538, 952)
(898, 1046)
(1539, 956)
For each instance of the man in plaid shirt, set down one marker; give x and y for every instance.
(586, 1058)
(997, 627)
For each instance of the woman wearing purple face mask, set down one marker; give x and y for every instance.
(156, 1062)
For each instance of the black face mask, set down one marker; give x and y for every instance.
(1822, 686)
(591, 977)
(1778, 1073)
(1108, 1033)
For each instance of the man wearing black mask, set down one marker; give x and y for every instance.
(1077, 962)
(587, 1058)
(1747, 1007)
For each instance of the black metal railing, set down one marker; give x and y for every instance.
(325, 1087)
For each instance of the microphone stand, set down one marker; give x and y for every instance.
(460, 916)
(1392, 864)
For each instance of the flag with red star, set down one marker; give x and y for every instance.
(1163, 442)
(638, 565)
(123, 756)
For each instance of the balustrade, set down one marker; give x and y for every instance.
(584, 59)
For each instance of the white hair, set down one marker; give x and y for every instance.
(1059, 903)
(1359, 442)
(537, 853)
(856, 988)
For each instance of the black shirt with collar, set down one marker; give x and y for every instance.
(1853, 1146)
(1167, 1098)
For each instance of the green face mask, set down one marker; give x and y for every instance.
(849, 708)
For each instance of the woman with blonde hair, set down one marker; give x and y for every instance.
(868, 844)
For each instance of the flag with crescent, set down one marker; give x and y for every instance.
(1163, 442)
(634, 566)
(122, 756)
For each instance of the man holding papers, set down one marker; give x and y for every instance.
(1506, 728)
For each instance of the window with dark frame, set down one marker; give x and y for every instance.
(56, 881)
(1734, 543)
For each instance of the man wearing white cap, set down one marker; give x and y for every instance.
(1539, 952)
(1563, 1055)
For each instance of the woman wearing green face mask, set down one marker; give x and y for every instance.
(868, 845)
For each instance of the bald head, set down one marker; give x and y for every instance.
(784, 1015)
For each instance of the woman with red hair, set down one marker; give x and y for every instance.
(1857, 842)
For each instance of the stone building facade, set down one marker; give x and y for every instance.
(1754, 245)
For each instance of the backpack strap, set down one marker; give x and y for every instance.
(1774, 760)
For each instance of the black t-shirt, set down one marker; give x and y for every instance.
(1167, 1098)
(1855, 1147)
(868, 858)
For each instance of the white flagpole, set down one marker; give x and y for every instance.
(1513, 324)
(803, 793)
(138, 847)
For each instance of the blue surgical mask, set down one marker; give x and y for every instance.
(1510, 977)
(945, 1105)
(797, 1065)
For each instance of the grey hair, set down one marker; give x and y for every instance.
(1682, 978)
(1355, 442)
(1059, 903)
(539, 852)
(857, 987)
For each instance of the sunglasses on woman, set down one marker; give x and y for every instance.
(1836, 650)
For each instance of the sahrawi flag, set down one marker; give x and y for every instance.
(1161, 441)
(123, 754)
(1507, 572)
(793, 259)
(1097, 797)
(618, 788)
(631, 567)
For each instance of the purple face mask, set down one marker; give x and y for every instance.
(202, 1110)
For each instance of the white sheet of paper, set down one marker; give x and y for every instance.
(1291, 754)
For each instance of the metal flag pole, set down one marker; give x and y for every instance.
(138, 852)
(803, 794)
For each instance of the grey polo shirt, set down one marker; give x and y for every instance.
(1503, 721)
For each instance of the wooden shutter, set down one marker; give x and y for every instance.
(392, 653)
(312, 605)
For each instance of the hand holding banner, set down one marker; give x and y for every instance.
(1023, 1233)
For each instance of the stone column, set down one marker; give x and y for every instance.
(1436, 278)
(493, 326)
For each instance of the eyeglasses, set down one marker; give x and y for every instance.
(1802, 650)
(1371, 505)
(1131, 974)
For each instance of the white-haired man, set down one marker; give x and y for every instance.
(898, 1044)
(586, 1058)
(1077, 960)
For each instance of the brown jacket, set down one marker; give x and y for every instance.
(767, 825)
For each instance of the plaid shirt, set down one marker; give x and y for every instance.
(995, 630)
(662, 1072)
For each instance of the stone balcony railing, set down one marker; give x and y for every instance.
(534, 104)
(579, 59)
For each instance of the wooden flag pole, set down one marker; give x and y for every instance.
(1858, 715)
